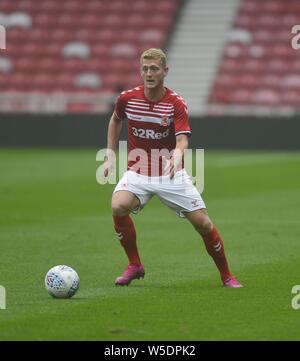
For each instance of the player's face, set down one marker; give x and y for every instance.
(153, 73)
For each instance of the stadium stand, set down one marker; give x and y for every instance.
(74, 55)
(196, 47)
(232, 57)
(259, 70)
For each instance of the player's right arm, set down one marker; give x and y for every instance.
(114, 130)
(113, 134)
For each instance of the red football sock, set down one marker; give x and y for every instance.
(127, 236)
(215, 248)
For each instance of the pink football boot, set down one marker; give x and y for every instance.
(232, 282)
(131, 272)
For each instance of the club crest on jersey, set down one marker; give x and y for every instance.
(165, 121)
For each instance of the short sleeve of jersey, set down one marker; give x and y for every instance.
(181, 118)
(120, 106)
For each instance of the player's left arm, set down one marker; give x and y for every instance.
(182, 132)
(182, 143)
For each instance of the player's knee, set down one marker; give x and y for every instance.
(119, 209)
(204, 226)
(207, 227)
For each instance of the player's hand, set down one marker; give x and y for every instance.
(108, 167)
(171, 165)
(172, 168)
(166, 162)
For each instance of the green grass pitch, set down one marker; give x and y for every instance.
(53, 212)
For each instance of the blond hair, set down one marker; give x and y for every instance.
(156, 54)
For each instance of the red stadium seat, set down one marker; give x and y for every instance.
(78, 107)
(137, 21)
(282, 51)
(275, 7)
(220, 96)
(278, 66)
(268, 21)
(250, 6)
(240, 96)
(8, 6)
(245, 22)
(269, 81)
(143, 6)
(255, 66)
(229, 65)
(293, 7)
(17, 36)
(235, 50)
(265, 97)
(133, 80)
(248, 81)
(118, 6)
(290, 97)
(48, 6)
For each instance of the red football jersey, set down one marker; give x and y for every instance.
(152, 127)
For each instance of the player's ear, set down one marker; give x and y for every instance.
(166, 70)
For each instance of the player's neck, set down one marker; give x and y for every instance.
(155, 94)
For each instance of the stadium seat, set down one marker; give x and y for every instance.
(5, 65)
(126, 50)
(76, 49)
(88, 80)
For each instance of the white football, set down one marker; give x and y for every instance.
(62, 281)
